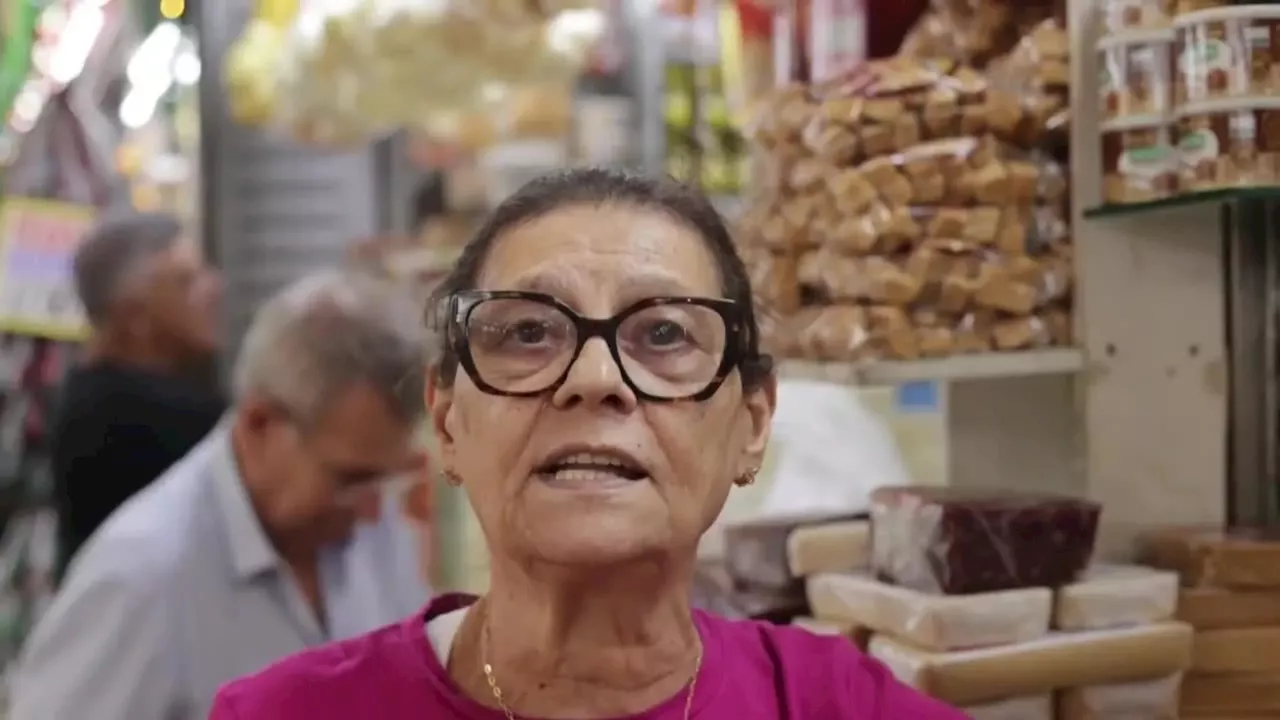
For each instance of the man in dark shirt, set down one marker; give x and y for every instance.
(135, 406)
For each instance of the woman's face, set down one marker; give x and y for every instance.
(599, 260)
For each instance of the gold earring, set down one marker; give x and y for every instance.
(747, 478)
(451, 478)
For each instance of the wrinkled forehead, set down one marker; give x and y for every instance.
(599, 259)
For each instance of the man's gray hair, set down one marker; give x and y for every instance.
(327, 332)
(113, 253)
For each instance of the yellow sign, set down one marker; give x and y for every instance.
(38, 241)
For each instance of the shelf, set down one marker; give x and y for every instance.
(1062, 361)
(1200, 198)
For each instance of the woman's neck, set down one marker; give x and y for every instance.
(614, 644)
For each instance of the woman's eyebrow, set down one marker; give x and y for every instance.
(633, 286)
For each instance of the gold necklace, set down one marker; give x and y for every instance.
(502, 703)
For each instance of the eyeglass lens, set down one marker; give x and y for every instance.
(667, 351)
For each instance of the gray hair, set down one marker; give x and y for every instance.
(326, 332)
(113, 254)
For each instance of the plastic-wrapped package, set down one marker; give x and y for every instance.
(931, 622)
(931, 37)
(1116, 596)
(924, 203)
(857, 635)
(958, 541)
(715, 591)
(1219, 608)
(891, 106)
(773, 278)
(1099, 657)
(829, 547)
(755, 551)
(1032, 707)
(1230, 697)
(1148, 699)
(1240, 558)
(1038, 73)
(986, 29)
(1237, 650)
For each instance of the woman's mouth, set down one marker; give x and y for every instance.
(590, 470)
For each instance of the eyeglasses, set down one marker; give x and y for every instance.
(522, 344)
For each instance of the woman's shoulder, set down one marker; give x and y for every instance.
(828, 675)
(316, 682)
(390, 672)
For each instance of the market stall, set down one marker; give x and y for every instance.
(1008, 261)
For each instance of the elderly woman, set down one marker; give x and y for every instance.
(601, 391)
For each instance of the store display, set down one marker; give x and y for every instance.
(1140, 162)
(1110, 596)
(1241, 558)
(1148, 700)
(909, 209)
(1135, 77)
(831, 547)
(932, 622)
(1231, 696)
(1229, 143)
(1229, 51)
(755, 551)
(1212, 56)
(1216, 608)
(959, 541)
(1036, 707)
(1122, 16)
(1237, 650)
(967, 677)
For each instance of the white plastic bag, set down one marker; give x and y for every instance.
(829, 451)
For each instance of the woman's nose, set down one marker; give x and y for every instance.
(595, 379)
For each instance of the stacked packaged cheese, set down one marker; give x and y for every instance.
(1231, 596)
(755, 578)
(958, 599)
(911, 209)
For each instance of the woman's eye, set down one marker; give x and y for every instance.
(665, 333)
(528, 332)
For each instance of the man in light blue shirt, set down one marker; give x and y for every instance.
(275, 534)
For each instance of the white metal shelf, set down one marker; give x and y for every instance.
(987, 366)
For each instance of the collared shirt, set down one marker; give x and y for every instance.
(180, 592)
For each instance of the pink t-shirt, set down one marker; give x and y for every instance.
(750, 671)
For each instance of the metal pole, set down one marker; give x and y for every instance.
(1252, 286)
